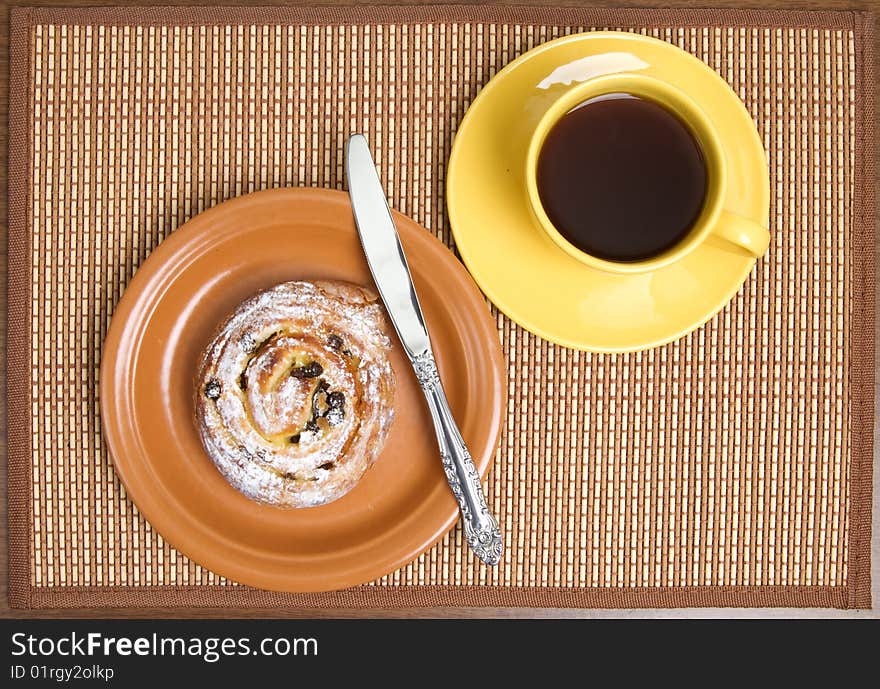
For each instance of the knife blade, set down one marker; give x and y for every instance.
(391, 273)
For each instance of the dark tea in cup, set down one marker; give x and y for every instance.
(621, 178)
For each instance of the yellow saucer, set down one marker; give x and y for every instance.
(516, 264)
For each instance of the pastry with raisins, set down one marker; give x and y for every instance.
(294, 394)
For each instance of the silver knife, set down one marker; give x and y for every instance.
(391, 273)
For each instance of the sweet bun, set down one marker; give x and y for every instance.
(294, 394)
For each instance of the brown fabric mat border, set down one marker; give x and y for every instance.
(862, 353)
(18, 383)
(459, 596)
(387, 14)
(856, 594)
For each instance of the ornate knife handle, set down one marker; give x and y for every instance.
(480, 528)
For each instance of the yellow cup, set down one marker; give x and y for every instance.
(737, 232)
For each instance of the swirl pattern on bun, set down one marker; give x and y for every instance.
(294, 394)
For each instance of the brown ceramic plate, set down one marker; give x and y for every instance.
(403, 504)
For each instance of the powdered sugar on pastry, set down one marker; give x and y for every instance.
(294, 394)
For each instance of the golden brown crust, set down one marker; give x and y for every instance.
(294, 394)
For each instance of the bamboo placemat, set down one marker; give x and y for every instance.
(730, 468)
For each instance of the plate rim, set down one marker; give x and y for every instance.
(125, 318)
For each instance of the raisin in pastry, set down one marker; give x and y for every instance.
(294, 394)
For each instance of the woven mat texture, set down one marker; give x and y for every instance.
(729, 468)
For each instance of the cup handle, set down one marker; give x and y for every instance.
(743, 233)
